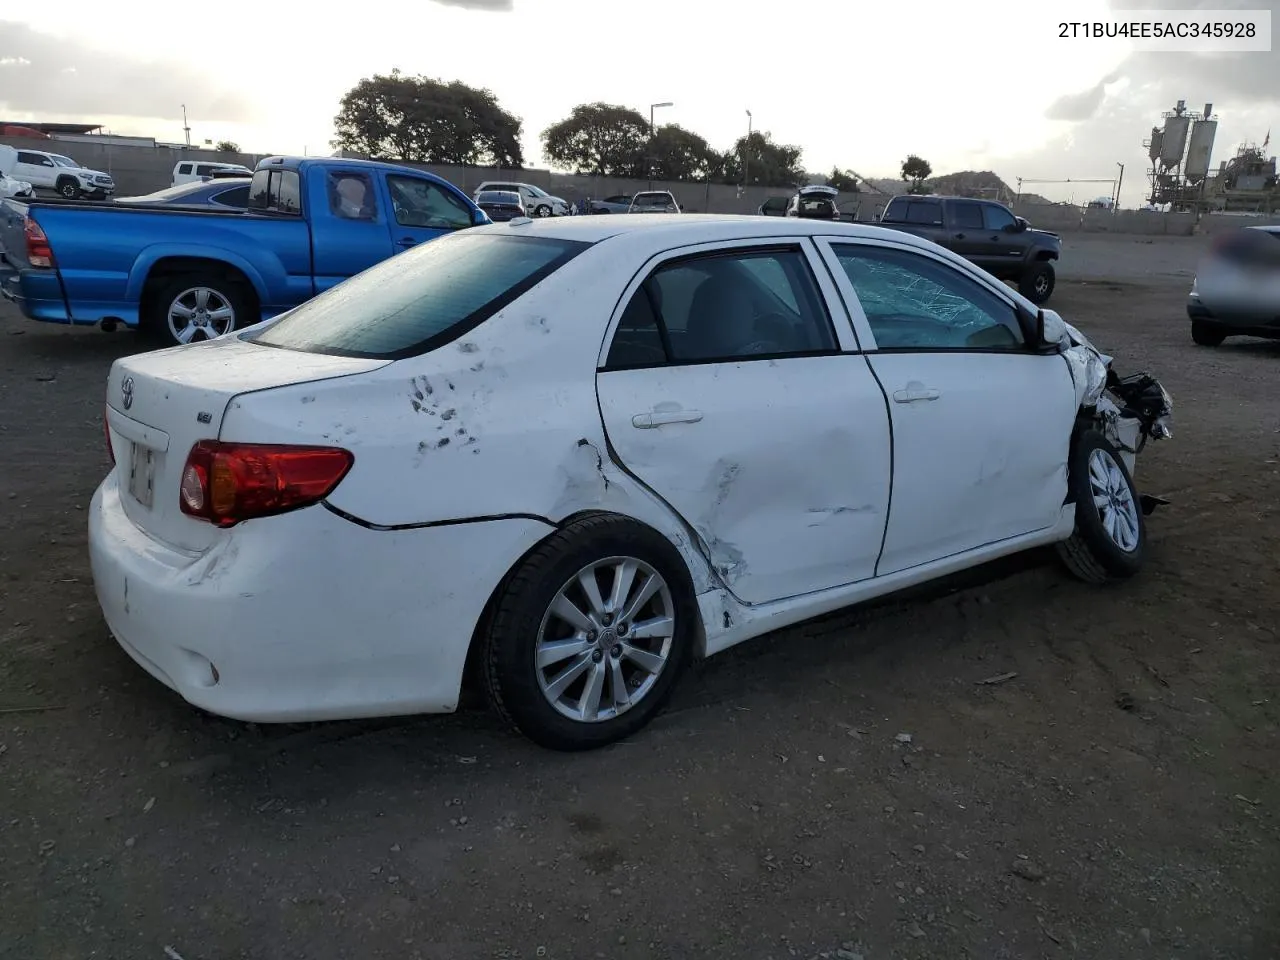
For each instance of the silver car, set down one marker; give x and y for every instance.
(654, 201)
(1236, 290)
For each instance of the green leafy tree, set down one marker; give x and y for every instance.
(916, 170)
(769, 164)
(427, 121)
(843, 180)
(227, 146)
(599, 138)
(680, 154)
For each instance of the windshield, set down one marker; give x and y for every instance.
(421, 299)
(537, 192)
(63, 161)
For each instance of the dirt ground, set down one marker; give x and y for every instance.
(1117, 797)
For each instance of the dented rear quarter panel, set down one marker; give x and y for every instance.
(501, 422)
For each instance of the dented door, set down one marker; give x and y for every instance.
(779, 460)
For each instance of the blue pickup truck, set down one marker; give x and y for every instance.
(190, 274)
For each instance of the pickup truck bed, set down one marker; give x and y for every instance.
(187, 274)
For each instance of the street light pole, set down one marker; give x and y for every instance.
(746, 153)
(649, 165)
(1115, 205)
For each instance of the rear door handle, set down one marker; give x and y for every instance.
(959, 236)
(647, 421)
(912, 394)
(406, 242)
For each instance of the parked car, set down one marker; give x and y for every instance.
(500, 205)
(1236, 289)
(53, 171)
(577, 453)
(815, 202)
(654, 201)
(537, 201)
(192, 171)
(218, 193)
(774, 207)
(184, 274)
(9, 187)
(618, 203)
(985, 232)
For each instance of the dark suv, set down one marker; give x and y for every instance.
(984, 232)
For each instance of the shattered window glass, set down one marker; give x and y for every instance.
(914, 303)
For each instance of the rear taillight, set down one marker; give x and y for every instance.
(39, 253)
(226, 483)
(106, 428)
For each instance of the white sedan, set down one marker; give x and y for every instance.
(566, 456)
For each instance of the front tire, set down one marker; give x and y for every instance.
(1110, 536)
(589, 634)
(1038, 282)
(1206, 335)
(542, 210)
(69, 189)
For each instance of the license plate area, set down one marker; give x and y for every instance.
(142, 473)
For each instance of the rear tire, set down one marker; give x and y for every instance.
(166, 301)
(1206, 335)
(1038, 282)
(528, 648)
(1110, 536)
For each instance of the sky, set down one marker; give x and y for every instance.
(980, 85)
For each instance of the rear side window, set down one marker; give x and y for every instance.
(203, 170)
(235, 197)
(276, 191)
(927, 212)
(421, 299)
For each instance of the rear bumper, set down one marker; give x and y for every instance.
(37, 293)
(304, 616)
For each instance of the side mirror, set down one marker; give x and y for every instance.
(1039, 327)
(1018, 225)
(479, 218)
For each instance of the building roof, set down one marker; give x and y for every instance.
(53, 127)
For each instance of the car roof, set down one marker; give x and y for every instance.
(678, 229)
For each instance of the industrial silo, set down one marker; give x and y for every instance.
(1175, 140)
(1199, 150)
(1157, 144)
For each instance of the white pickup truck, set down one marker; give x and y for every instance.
(53, 171)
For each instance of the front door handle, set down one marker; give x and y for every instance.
(406, 242)
(647, 421)
(914, 393)
(959, 236)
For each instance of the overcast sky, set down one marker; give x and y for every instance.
(985, 84)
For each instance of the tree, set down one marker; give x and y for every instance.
(599, 138)
(227, 146)
(428, 121)
(769, 164)
(846, 181)
(680, 154)
(916, 170)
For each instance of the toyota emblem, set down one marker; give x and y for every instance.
(126, 392)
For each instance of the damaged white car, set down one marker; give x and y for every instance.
(564, 457)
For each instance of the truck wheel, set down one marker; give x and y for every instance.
(1037, 283)
(1110, 535)
(194, 307)
(1206, 335)
(69, 188)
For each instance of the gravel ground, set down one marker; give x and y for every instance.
(1116, 797)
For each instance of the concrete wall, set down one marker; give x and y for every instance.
(139, 170)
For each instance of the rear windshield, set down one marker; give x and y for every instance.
(421, 299)
(653, 200)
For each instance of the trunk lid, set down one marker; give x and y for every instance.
(160, 403)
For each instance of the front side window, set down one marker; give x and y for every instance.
(62, 161)
(184, 168)
(915, 303)
(996, 217)
(420, 299)
(351, 195)
(724, 307)
(421, 203)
